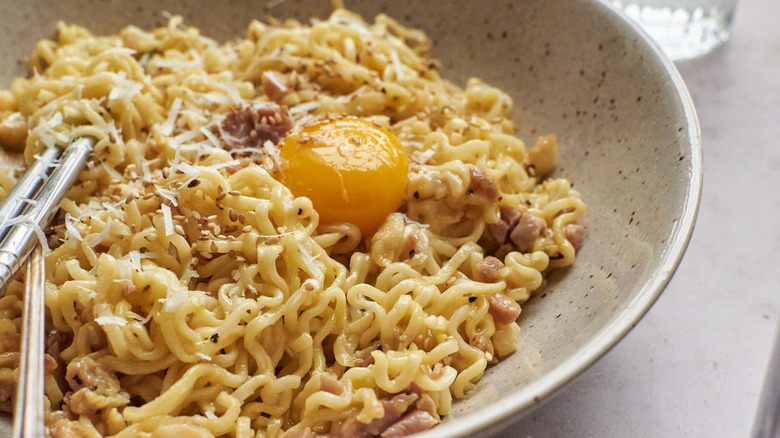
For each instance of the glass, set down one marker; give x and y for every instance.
(683, 28)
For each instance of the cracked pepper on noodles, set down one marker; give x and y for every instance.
(188, 291)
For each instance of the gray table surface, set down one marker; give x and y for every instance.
(695, 365)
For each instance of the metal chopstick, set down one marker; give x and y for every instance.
(21, 237)
(29, 411)
(27, 185)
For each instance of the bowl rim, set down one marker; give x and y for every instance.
(497, 416)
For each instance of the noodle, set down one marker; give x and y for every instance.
(188, 291)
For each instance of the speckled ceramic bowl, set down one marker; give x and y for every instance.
(628, 134)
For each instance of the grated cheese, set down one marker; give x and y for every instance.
(111, 319)
(225, 164)
(167, 127)
(176, 295)
(112, 172)
(139, 318)
(167, 219)
(232, 92)
(27, 220)
(135, 260)
(278, 84)
(72, 234)
(309, 264)
(45, 130)
(98, 238)
(124, 90)
(399, 76)
(304, 107)
(208, 358)
(170, 195)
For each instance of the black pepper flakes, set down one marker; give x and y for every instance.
(193, 183)
(416, 195)
(215, 338)
(472, 299)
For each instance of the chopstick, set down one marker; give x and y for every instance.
(25, 212)
(27, 185)
(36, 215)
(29, 410)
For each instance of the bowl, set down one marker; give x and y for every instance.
(628, 134)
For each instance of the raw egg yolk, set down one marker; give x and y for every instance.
(352, 170)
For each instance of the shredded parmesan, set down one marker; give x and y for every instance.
(124, 90)
(304, 107)
(140, 318)
(167, 127)
(232, 92)
(176, 295)
(135, 260)
(98, 238)
(207, 358)
(72, 234)
(111, 319)
(167, 219)
(310, 265)
(170, 195)
(399, 76)
(225, 164)
(27, 220)
(271, 76)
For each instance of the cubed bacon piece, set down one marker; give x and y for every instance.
(393, 410)
(274, 85)
(86, 373)
(413, 422)
(488, 269)
(56, 342)
(65, 428)
(482, 185)
(330, 384)
(575, 234)
(510, 215)
(500, 231)
(304, 433)
(504, 309)
(527, 230)
(6, 390)
(251, 125)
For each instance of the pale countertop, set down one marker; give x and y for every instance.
(694, 366)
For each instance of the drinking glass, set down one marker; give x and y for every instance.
(683, 28)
